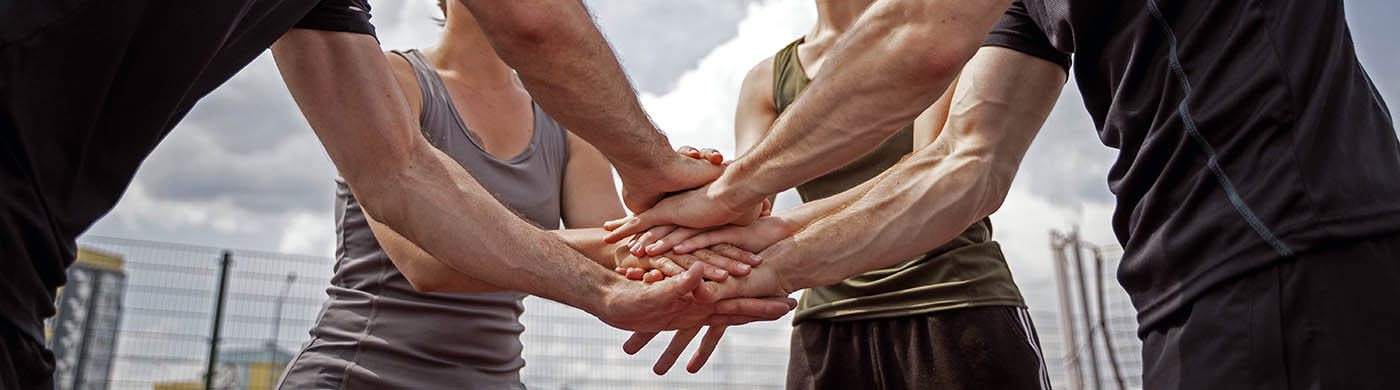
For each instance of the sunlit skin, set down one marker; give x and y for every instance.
(370, 133)
(968, 145)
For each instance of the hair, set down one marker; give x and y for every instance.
(442, 6)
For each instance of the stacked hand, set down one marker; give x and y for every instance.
(694, 234)
(700, 204)
(671, 251)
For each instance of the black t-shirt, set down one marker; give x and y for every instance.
(87, 90)
(1247, 131)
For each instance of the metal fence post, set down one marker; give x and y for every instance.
(1072, 364)
(218, 322)
(1084, 303)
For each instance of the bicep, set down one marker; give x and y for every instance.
(1005, 91)
(589, 196)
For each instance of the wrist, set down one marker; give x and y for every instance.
(598, 301)
(734, 190)
(648, 157)
(798, 269)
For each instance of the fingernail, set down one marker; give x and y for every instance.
(680, 247)
(743, 267)
(756, 258)
(719, 273)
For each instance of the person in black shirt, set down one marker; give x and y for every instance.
(88, 88)
(1258, 178)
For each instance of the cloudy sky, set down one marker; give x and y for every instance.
(244, 170)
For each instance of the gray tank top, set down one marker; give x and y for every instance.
(375, 331)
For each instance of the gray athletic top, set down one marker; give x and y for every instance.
(375, 331)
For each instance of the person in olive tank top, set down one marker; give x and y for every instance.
(949, 318)
(397, 318)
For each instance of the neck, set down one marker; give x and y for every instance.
(836, 16)
(464, 51)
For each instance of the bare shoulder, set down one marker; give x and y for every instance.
(406, 79)
(758, 83)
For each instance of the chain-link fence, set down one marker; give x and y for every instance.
(154, 330)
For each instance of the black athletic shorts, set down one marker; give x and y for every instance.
(989, 347)
(1327, 319)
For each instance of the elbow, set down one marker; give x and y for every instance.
(996, 184)
(933, 53)
(937, 64)
(525, 26)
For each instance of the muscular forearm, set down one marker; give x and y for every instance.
(934, 194)
(428, 274)
(892, 65)
(569, 69)
(348, 94)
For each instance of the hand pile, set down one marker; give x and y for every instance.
(693, 234)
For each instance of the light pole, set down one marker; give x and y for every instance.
(277, 317)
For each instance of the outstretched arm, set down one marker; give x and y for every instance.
(999, 104)
(569, 69)
(347, 92)
(897, 59)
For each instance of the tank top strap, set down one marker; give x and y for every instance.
(436, 111)
(789, 79)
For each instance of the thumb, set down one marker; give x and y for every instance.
(675, 287)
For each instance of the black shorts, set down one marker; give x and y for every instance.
(1326, 319)
(990, 347)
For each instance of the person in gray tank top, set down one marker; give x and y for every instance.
(384, 324)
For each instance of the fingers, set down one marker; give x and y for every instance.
(731, 320)
(673, 351)
(613, 224)
(635, 273)
(707, 347)
(643, 244)
(767, 309)
(767, 208)
(734, 252)
(685, 262)
(634, 225)
(713, 156)
(666, 266)
(664, 244)
(731, 265)
(675, 287)
(653, 276)
(706, 239)
(637, 341)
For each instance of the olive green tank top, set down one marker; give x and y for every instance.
(965, 272)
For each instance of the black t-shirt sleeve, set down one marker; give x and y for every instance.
(339, 15)
(1017, 31)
